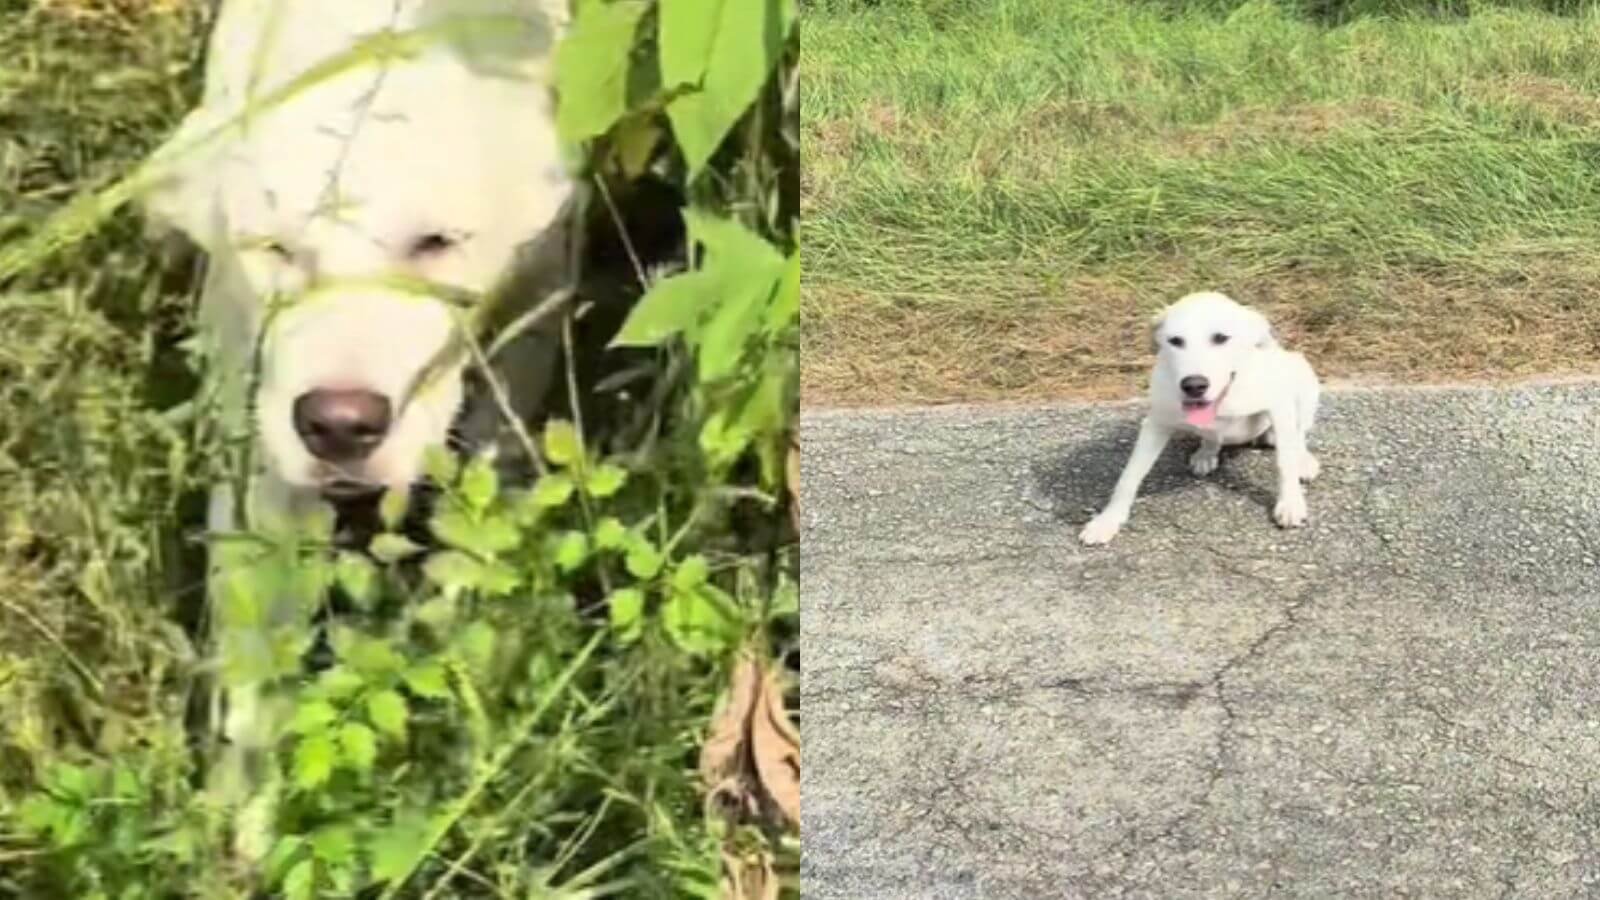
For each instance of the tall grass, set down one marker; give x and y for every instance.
(526, 745)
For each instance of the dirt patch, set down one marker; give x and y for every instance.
(1302, 122)
(1548, 96)
(1089, 340)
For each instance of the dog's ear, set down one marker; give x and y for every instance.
(182, 192)
(1156, 321)
(1262, 334)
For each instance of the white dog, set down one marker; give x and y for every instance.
(1221, 374)
(343, 225)
(441, 167)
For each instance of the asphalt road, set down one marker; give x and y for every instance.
(1400, 700)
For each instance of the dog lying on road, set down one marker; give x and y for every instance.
(1221, 374)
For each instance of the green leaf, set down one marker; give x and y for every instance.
(313, 761)
(688, 32)
(552, 491)
(428, 679)
(497, 534)
(722, 441)
(360, 746)
(643, 561)
(738, 317)
(592, 65)
(371, 656)
(440, 465)
(437, 613)
(626, 607)
(387, 710)
(730, 243)
(284, 852)
(459, 529)
(358, 578)
(606, 480)
(339, 682)
(635, 139)
(309, 580)
(124, 783)
(454, 527)
(313, 716)
(38, 813)
(479, 484)
(70, 781)
(561, 443)
(397, 848)
(499, 579)
(453, 570)
(571, 550)
(391, 548)
(476, 645)
(334, 844)
(300, 883)
(610, 534)
(690, 573)
(699, 621)
(673, 304)
(392, 508)
(748, 41)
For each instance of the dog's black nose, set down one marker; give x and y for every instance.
(341, 426)
(1194, 386)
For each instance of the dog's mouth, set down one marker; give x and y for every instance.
(347, 490)
(1200, 412)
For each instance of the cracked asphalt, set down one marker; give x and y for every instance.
(1400, 700)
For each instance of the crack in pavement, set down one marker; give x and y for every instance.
(1223, 745)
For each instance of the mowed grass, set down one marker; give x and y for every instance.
(998, 196)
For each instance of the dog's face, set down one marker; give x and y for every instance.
(1201, 343)
(326, 219)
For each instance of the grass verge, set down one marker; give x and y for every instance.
(997, 196)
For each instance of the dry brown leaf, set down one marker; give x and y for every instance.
(751, 758)
(775, 746)
(722, 756)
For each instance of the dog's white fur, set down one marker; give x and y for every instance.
(1255, 391)
(323, 199)
(337, 188)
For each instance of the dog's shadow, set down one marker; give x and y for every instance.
(1077, 482)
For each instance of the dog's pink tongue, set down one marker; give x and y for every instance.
(1200, 415)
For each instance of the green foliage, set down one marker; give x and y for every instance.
(504, 710)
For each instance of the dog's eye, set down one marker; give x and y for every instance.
(1219, 338)
(278, 249)
(429, 245)
(1176, 342)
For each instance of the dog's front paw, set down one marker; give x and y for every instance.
(1291, 510)
(1204, 461)
(1100, 530)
